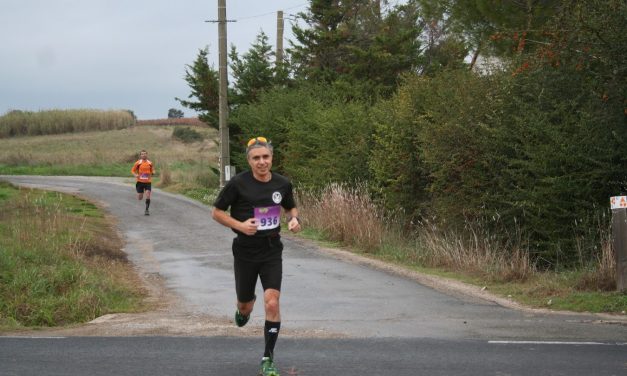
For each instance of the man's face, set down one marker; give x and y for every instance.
(260, 161)
(143, 155)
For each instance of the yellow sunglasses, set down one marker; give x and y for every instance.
(257, 140)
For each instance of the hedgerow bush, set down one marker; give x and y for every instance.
(186, 134)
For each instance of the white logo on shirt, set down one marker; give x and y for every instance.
(276, 197)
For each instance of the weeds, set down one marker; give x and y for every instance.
(350, 216)
(59, 262)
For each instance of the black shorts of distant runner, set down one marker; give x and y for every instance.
(141, 187)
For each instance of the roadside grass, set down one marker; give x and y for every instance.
(337, 214)
(60, 262)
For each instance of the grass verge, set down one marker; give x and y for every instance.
(60, 261)
(333, 218)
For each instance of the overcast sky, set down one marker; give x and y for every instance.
(118, 54)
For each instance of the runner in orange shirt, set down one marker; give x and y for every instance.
(143, 171)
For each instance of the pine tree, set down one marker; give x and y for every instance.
(253, 73)
(203, 81)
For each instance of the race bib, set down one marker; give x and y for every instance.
(268, 218)
(144, 176)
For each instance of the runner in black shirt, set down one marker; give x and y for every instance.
(256, 198)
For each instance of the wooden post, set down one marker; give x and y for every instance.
(279, 38)
(225, 159)
(619, 240)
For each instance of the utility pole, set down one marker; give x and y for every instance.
(279, 38)
(223, 107)
(225, 159)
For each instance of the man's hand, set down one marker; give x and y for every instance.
(293, 225)
(249, 226)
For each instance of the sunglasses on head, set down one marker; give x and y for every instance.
(257, 140)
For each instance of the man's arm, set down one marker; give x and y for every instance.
(133, 170)
(294, 222)
(248, 227)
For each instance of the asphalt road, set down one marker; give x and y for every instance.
(376, 321)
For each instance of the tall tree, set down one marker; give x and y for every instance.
(494, 27)
(357, 41)
(203, 81)
(253, 73)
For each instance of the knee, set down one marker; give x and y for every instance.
(272, 305)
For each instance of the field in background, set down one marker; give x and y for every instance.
(181, 167)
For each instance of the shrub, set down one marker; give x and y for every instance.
(186, 135)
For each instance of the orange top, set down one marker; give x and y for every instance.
(144, 170)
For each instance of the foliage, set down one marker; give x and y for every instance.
(174, 113)
(319, 135)
(186, 134)
(357, 41)
(253, 73)
(494, 28)
(27, 123)
(203, 81)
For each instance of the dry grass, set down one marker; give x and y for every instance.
(27, 123)
(348, 215)
(120, 146)
(474, 251)
(345, 214)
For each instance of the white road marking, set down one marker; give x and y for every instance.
(554, 343)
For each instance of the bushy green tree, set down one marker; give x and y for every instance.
(494, 28)
(174, 113)
(253, 73)
(361, 42)
(320, 136)
(203, 81)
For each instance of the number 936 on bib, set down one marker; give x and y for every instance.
(268, 217)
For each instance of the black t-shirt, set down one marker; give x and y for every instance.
(248, 197)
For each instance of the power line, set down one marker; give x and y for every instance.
(267, 14)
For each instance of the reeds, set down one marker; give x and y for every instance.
(345, 214)
(27, 123)
(349, 215)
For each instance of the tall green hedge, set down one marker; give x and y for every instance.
(319, 135)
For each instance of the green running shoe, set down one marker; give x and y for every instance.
(268, 368)
(240, 320)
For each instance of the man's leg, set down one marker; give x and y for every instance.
(246, 274)
(273, 320)
(140, 191)
(148, 192)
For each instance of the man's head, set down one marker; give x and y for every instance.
(259, 156)
(143, 154)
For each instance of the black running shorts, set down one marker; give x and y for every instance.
(269, 271)
(141, 187)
